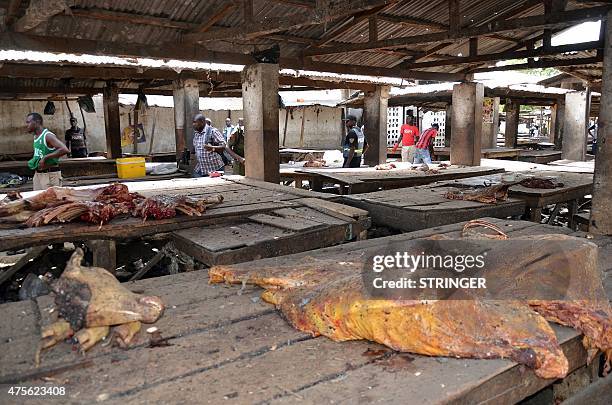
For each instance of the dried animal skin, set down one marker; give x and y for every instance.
(318, 299)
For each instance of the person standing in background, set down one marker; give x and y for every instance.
(228, 129)
(355, 144)
(47, 151)
(75, 140)
(236, 147)
(425, 142)
(408, 133)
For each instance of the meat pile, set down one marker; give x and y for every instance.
(97, 205)
(330, 297)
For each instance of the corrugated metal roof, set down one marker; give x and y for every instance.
(473, 12)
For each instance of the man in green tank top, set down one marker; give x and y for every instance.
(47, 151)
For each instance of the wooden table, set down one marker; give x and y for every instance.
(242, 198)
(414, 208)
(230, 347)
(69, 167)
(575, 187)
(492, 153)
(365, 180)
(539, 156)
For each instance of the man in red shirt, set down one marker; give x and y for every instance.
(408, 133)
(426, 139)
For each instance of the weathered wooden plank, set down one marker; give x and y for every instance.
(32, 254)
(258, 379)
(436, 380)
(293, 224)
(328, 206)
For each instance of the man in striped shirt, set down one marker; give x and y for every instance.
(426, 139)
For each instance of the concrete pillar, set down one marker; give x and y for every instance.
(110, 101)
(448, 125)
(375, 125)
(178, 95)
(513, 110)
(260, 106)
(577, 108)
(489, 129)
(191, 89)
(467, 124)
(601, 213)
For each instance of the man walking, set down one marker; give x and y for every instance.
(424, 143)
(208, 144)
(355, 144)
(75, 140)
(47, 151)
(408, 133)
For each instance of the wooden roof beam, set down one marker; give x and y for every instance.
(223, 11)
(130, 18)
(324, 12)
(559, 19)
(493, 57)
(542, 64)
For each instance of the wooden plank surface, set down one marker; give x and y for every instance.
(233, 347)
(490, 153)
(369, 179)
(539, 156)
(279, 232)
(414, 208)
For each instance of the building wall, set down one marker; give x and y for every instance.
(322, 126)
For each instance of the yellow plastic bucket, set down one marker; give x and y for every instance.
(132, 167)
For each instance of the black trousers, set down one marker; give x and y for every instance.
(355, 162)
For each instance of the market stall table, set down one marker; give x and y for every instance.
(365, 180)
(243, 198)
(575, 186)
(227, 345)
(414, 208)
(492, 153)
(539, 156)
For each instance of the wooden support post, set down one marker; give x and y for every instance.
(467, 124)
(375, 121)
(489, 129)
(373, 29)
(577, 108)
(559, 124)
(448, 125)
(104, 254)
(512, 122)
(178, 94)
(553, 123)
(192, 107)
(260, 105)
(601, 213)
(112, 124)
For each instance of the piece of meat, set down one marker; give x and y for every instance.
(165, 206)
(92, 297)
(539, 182)
(329, 297)
(315, 163)
(487, 195)
(385, 166)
